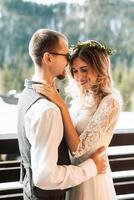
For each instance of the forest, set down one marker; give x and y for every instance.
(108, 21)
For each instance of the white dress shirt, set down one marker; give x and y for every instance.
(44, 130)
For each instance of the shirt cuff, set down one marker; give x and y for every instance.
(89, 167)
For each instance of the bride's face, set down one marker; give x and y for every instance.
(83, 73)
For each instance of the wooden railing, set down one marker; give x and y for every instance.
(10, 187)
(121, 155)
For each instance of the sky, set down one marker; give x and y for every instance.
(48, 2)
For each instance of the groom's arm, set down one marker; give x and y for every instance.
(45, 134)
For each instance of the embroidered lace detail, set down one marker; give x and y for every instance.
(99, 130)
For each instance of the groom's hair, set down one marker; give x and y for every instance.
(44, 40)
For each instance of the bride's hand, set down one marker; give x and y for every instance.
(50, 92)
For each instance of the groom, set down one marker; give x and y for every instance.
(46, 170)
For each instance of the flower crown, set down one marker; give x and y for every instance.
(94, 45)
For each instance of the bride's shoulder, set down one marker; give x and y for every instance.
(113, 98)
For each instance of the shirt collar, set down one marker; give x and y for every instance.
(37, 79)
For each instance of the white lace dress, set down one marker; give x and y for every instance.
(95, 122)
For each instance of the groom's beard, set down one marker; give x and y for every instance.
(61, 77)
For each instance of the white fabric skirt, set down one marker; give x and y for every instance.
(99, 187)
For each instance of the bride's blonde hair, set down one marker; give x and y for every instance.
(97, 56)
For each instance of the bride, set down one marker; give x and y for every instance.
(94, 111)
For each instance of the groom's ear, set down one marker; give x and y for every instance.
(47, 58)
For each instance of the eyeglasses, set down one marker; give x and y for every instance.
(68, 56)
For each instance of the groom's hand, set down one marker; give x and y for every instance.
(99, 157)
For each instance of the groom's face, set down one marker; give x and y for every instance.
(60, 59)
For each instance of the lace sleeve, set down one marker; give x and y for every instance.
(99, 130)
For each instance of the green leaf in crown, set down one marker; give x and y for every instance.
(95, 45)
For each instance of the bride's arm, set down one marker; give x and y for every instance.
(100, 128)
(97, 130)
(71, 135)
